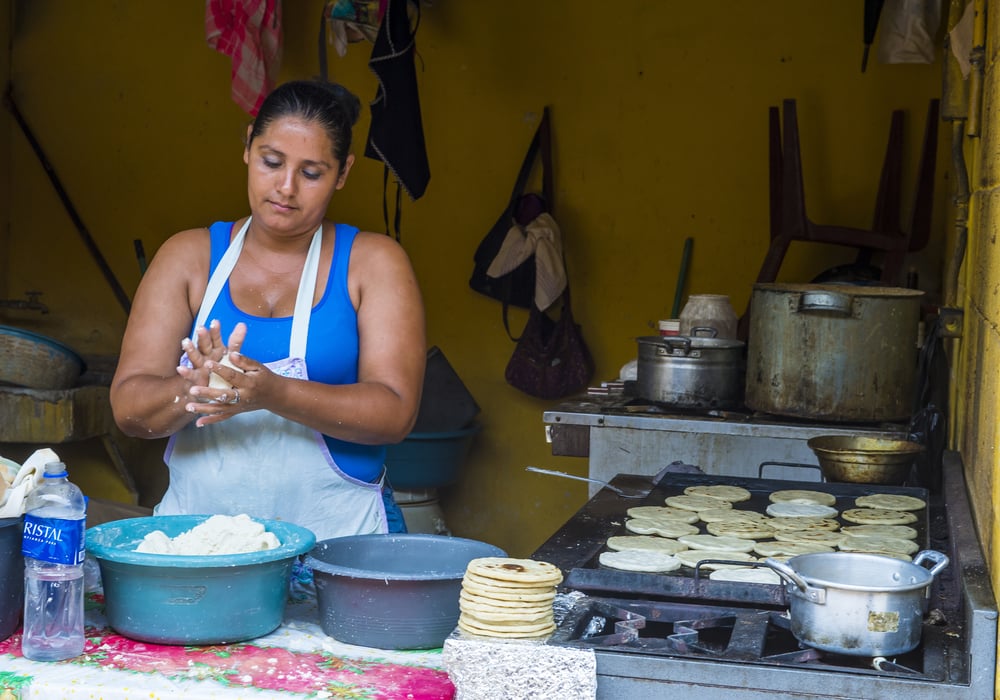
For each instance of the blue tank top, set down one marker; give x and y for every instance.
(332, 348)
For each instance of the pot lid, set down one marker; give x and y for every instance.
(697, 343)
(853, 290)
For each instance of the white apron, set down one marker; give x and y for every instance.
(264, 465)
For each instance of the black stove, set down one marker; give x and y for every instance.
(730, 634)
(658, 636)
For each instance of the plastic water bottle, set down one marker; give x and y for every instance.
(53, 547)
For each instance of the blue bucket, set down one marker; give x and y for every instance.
(428, 460)
(213, 599)
(11, 576)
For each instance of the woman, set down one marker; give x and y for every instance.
(325, 340)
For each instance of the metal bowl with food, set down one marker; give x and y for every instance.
(193, 599)
(863, 459)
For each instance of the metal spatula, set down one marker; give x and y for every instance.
(624, 493)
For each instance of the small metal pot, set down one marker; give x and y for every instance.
(858, 604)
(691, 372)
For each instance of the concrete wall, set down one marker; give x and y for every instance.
(660, 133)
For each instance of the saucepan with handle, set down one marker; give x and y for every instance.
(858, 604)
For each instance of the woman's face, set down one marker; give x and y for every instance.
(291, 175)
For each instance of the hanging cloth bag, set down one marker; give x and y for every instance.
(517, 287)
(551, 359)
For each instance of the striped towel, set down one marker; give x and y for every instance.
(249, 32)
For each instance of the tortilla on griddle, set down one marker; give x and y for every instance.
(746, 574)
(904, 531)
(878, 543)
(664, 528)
(724, 492)
(717, 543)
(691, 557)
(664, 512)
(696, 503)
(890, 501)
(824, 537)
(718, 515)
(878, 516)
(804, 524)
(635, 560)
(800, 510)
(791, 549)
(646, 543)
(820, 498)
(742, 529)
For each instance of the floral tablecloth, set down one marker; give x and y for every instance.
(295, 661)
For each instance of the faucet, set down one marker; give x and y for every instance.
(31, 303)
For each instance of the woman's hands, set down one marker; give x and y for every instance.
(217, 404)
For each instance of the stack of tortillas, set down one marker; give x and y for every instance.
(508, 598)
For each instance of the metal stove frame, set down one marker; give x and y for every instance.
(962, 670)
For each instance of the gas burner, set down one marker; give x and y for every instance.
(711, 632)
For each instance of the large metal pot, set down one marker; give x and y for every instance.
(833, 352)
(690, 372)
(858, 604)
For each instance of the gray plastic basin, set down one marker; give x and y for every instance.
(392, 591)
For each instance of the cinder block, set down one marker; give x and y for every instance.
(514, 669)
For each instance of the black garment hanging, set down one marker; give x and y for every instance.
(396, 134)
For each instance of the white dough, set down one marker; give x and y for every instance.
(217, 382)
(220, 534)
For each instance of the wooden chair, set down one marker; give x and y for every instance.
(789, 221)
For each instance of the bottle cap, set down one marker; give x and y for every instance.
(54, 470)
(670, 326)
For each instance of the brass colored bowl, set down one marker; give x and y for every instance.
(864, 460)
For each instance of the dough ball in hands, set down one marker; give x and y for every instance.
(215, 381)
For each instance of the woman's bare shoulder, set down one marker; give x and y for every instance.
(377, 246)
(189, 248)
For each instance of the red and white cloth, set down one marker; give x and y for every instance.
(249, 32)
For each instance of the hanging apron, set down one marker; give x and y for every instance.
(264, 465)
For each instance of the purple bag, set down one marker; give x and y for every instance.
(551, 359)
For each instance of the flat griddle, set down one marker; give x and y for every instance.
(576, 546)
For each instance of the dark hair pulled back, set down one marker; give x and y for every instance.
(331, 105)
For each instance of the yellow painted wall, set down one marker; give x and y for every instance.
(978, 382)
(660, 133)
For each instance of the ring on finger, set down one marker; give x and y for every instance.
(236, 396)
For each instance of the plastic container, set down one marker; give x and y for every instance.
(170, 599)
(53, 549)
(11, 576)
(428, 460)
(669, 327)
(445, 402)
(709, 311)
(392, 591)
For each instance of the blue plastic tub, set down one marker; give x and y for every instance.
(168, 599)
(11, 576)
(392, 591)
(429, 460)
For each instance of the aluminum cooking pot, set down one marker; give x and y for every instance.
(833, 352)
(691, 372)
(858, 604)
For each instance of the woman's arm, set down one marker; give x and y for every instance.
(148, 395)
(382, 406)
